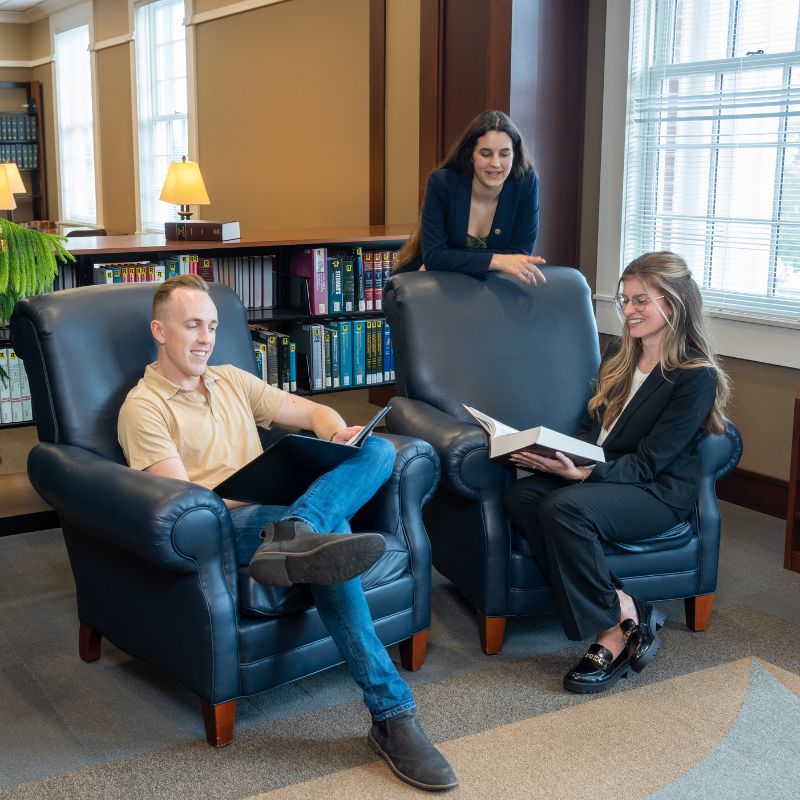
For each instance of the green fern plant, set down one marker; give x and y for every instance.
(28, 264)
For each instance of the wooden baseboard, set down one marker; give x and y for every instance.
(755, 491)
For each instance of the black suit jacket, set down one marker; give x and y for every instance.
(654, 442)
(445, 216)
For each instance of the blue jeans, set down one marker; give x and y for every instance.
(327, 507)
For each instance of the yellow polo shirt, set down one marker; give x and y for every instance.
(160, 420)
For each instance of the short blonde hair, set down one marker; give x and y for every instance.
(164, 292)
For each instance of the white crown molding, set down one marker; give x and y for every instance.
(38, 62)
(113, 41)
(229, 11)
(14, 17)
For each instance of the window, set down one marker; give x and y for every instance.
(75, 126)
(162, 103)
(712, 151)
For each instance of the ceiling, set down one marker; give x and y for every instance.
(31, 10)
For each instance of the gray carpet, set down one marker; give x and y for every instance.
(118, 728)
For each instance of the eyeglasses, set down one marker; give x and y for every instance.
(639, 301)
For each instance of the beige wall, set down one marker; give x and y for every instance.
(111, 19)
(201, 6)
(40, 39)
(15, 42)
(115, 127)
(283, 127)
(402, 110)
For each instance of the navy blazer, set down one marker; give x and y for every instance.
(654, 442)
(445, 216)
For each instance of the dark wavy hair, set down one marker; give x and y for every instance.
(459, 159)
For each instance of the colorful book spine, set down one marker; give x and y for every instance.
(327, 380)
(335, 285)
(370, 348)
(346, 353)
(259, 360)
(336, 358)
(388, 374)
(16, 385)
(5, 388)
(284, 359)
(359, 352)
(369, 281)
(358, 270)
(292, 366)
(377, 281)
(348, 284)
(313, 265)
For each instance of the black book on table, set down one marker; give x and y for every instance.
(286, 469)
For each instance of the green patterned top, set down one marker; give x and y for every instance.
(475, 242)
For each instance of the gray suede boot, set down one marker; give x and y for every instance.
(294, 553)
(402, 743)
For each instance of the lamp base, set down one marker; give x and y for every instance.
(184, 213)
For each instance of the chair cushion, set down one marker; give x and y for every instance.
(257, 600)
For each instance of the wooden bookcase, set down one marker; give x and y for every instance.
(791, 557)
(22, 141)
(290, 305)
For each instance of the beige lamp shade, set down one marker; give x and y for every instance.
(184, 185)
(7, 201)
(14, 178)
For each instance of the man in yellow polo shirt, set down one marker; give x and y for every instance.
(195, 422)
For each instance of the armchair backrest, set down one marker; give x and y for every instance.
(84, 349)
(524, 355)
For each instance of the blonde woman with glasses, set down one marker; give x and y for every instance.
(658, 389)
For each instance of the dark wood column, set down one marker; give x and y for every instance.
(524, 57)
(377, 112)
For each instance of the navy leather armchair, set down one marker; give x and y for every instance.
(525, 356)
(154, 559)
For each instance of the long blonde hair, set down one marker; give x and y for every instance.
(459, 159)
(685, 345)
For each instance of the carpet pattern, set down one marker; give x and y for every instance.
(717, 714)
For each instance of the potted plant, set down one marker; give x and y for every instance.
(28, 264)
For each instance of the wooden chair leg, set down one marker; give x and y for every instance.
(219, 722)
(413, 650)
(89, 643)
(698, 611)
(493, 631)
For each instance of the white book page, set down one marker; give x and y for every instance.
(492, 426)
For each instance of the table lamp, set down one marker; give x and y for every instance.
(7, 201)
(14, 178)
(184, 186)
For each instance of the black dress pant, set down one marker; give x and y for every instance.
(566, 524)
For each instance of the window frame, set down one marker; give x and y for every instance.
(739, 335)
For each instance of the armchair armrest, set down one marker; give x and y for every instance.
(168, 523)
(396, 508)
(461, 446)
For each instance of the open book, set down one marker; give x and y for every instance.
(286, 469)
(504, 440)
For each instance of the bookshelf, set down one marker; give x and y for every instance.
(22, 141)
(791, 559)
(290, 293)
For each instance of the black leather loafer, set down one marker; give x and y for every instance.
(597, 670)
(644, 642)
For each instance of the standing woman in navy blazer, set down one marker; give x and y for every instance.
(481, 207)
(659, 388)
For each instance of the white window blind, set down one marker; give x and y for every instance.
(75, 128)
(162, 103)
(712, 158)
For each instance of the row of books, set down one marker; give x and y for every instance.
(14, 127)
(342, 281)
(345, 353)
(251, 277)
(15, 391)
(25, 156)
(276, 356)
